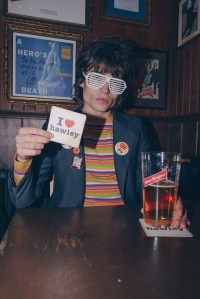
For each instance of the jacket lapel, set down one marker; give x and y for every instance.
(78, 174)
(121, 133)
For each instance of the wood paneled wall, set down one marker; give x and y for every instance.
(180, 134)
(177, 125)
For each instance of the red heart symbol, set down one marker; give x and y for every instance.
(69, 123)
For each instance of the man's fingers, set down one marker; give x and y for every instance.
(29, 137)
(30, 141)
(184, 221)
(22, 139)
(34, 131)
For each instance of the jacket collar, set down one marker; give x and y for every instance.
(121, 133)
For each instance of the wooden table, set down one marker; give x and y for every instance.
(92, 253)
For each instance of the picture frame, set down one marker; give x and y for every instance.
(76, 14)
(40, 65)
(188, 20)
(136, 12)
(152, 88)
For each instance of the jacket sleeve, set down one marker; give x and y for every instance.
(34, 187)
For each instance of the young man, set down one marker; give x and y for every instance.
(110, 150)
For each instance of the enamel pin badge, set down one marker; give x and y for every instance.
(121, 148)
(76, 162)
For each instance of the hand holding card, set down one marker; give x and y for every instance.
(67, 126)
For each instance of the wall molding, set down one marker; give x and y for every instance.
(42, 115)
(175, 118)
(22, 114)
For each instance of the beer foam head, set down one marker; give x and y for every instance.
(67, 126)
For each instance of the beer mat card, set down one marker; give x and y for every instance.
(152, 231)
(67, 126)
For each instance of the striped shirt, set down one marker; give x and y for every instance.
(101, 182)
(20, 169)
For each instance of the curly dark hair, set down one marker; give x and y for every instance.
(107, 54)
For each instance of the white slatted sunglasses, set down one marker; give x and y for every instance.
(97, 80)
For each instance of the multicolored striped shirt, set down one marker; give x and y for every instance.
(101, 181)
(20, 169)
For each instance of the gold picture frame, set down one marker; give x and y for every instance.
(76, 14)
(189, 20)
(40, 65)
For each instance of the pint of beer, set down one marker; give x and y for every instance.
(160, 176)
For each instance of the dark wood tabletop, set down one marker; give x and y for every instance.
(83, 253)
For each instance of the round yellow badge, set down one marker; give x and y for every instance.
(121, 148)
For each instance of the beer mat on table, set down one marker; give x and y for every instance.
(152, 231)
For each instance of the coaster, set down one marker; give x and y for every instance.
(66, 126)
(152, 231)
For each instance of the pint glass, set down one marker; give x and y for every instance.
(160, 177)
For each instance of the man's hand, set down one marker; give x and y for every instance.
(180, 216)
(30, 141)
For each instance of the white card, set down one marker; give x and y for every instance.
(67, 126)
(152, 231)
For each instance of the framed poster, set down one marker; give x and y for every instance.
(40, 65)
(137, 11)
(189, 20)
(152, 90)
(76, 13)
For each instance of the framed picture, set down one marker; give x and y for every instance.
(76, 13)
(137, 11)
(189, 20)
(152, 90)
(40, 65)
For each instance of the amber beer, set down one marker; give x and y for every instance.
(159, 200)
(160, 174)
